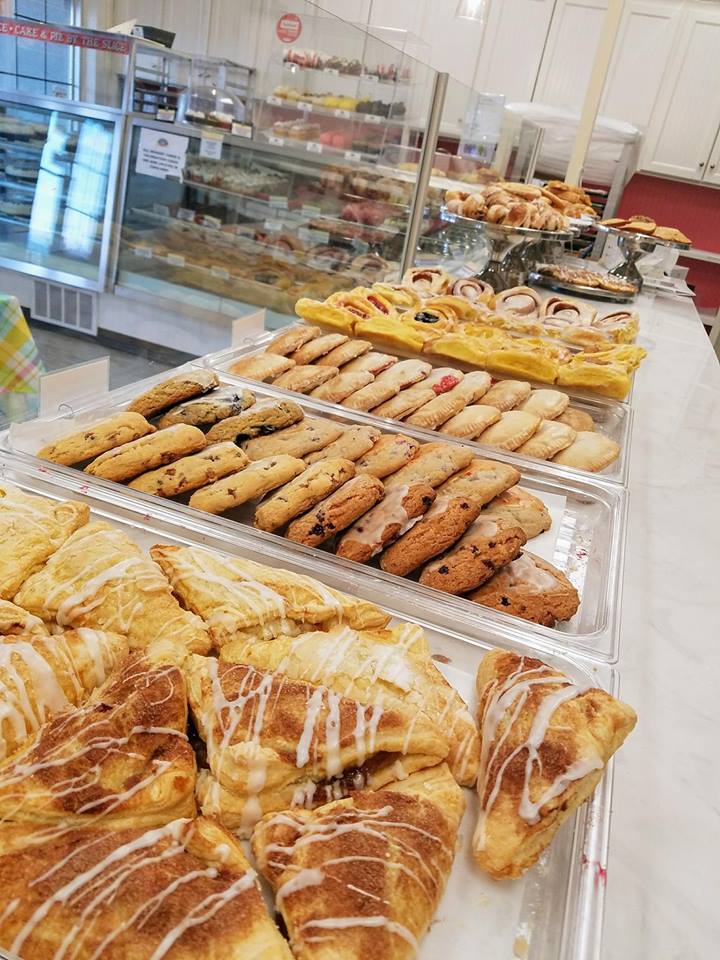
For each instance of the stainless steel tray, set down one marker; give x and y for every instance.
(555, 911)
(580, 290)
(610, 416)
(586, 540)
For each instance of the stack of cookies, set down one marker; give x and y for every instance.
(433, 511)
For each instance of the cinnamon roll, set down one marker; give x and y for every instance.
(473, 289)
(564, 309)
(522, 301)
(427, 281)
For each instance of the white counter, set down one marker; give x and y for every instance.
(663, 889)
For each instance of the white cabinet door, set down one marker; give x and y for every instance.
(512, 48)
(712, 169)
(686, 117)
(640, 59)
(569, 53)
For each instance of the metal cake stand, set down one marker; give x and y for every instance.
(633, 246)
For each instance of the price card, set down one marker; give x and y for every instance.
(274, 226)
(352, 155)
(243, 130)
(220, 272)
(373, 118)
(309, 210)
(275, 101)
(68, 385)
(251, 324)
(165, 114)
(280, 203)
(175, 259)
(161, 209)
(145, 252)
(313, 147)
(276, 141)
(303, 105)
(185, 214)
(343, 114)
(211, 146)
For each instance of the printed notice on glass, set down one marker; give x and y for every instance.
(160, 154)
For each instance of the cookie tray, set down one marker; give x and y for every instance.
(556, 911)
(586, 540)
(611, 417)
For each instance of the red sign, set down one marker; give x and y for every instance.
(289, 27)
(72, 38)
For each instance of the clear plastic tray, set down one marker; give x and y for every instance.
(585, 541)
(611, 417)
(555, 911)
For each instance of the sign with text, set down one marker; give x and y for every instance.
(89, 40)
(160, 154)
(288, 28)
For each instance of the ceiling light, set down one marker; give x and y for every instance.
(471, 9)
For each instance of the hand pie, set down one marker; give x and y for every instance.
(550, 438)
(481, 481)
(317, 347)
(506, 394)
(122, 758)
(344, 353)
(373, 669)
(433, 463)
(273, 743)
(521, 507)
(589, 451)
(31, 530)
(341, 386)
(530, 588)
(183, 890)
(15, 621)
(42, 675)
(304, 379)
(545, 743)
(471, 422)
(371, 396)
(487, 546)
(511, 431)
(292, 339)
(100, 578)
(547, 404)
(261, 366)
(373, 363)
(240, 599)
(361, 878)
(405, 373)
(405, 402)
(446, 405)
(577, 419)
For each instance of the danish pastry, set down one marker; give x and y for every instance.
(391, 831)
(546, 741)
(101, 579)
(14, 621)
(427, 281)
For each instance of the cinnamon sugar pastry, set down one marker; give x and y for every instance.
(31, 530)
(546, 741)
(291, 340)
(101, 579)
(388, 834)
(473, 289)
(506, 394)
(530, 588)
(517, 505)
(550, 438)
(547, 404)
(471, 422)
(240, 599)
(482, 480)
(121, 759)
(42, 675)
(433, 463)
(273, 743)
(374, 668)
(511, 431)
(181, 890)
(566, 309)
(589, 451)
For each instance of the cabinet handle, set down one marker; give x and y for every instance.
(712, 166)
(702, 163)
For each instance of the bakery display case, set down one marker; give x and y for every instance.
(57, 184)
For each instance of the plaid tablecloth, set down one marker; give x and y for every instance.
(20, 364)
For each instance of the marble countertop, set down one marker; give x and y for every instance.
(662, 892)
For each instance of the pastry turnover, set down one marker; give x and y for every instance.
(122, 758)
(100, 578)
(243, 600)
(362, 877)
(545, 742)
(273, 742)
(42, 675)
(373, 669)
(31, 530)
(14, 620)
(182, 890)
(589, 451)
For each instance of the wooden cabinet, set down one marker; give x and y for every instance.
(684, 124)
